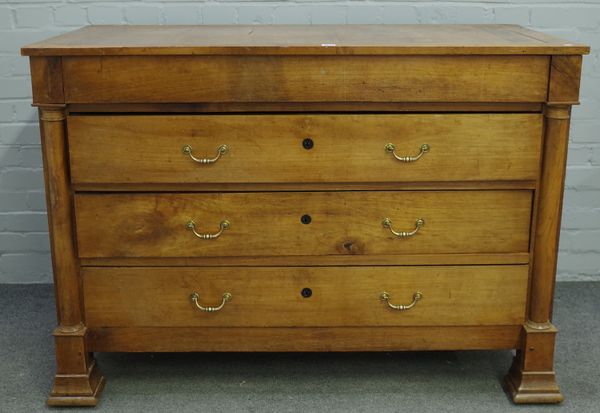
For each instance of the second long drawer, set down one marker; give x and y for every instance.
(302, 223)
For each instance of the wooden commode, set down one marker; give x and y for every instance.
(304, 188)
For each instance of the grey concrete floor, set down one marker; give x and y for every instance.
(464, 381)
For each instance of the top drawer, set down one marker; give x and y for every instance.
(142, 149)
(180, 79)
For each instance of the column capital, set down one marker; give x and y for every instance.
(557, 111)
(52, 113)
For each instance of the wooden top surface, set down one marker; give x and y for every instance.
(307, 40)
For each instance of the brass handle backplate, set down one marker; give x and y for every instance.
(391, 148)
(224, 225)
(221, 150)
(386, 297)
(195, 297)
(387, 223)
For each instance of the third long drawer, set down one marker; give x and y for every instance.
(302, 223)
(305, 296)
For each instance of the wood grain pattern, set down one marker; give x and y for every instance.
(299, 39)
(47, 80)
(343, 223)
(219, 78)
(269, 148)
(389, 338)
(271, 297)
(565, 75)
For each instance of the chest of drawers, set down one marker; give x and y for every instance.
(334, 188)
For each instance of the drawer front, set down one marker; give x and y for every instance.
(302, 223)
(170, 79)
(304, 148)
(305, 296)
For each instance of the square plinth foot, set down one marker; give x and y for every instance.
(531, 378)
(532, 387)
(77, 389)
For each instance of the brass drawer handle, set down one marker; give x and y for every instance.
(195, 297)
(387, 223)
(386, 297)
(390, 147)
(221, 150)
(222, 227)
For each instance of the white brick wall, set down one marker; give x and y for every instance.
(24, 255)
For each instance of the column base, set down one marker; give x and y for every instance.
(532, 387)
(77, 389)
(531, 377)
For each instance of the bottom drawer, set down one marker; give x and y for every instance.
(305, 296)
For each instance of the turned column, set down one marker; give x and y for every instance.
(531, 378)
(547, 231)
(77, 380)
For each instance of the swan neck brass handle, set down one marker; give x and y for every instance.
(386, 297)
(224, 225)
(195, 297)
(387, 223)
(221, 150)
(391, 148)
